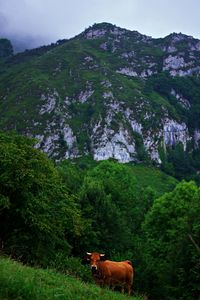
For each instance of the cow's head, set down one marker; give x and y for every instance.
(93, 259)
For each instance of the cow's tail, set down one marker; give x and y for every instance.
(132, 286)
(130, 280)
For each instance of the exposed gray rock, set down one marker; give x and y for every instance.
(136, 127)
(127, 71)
(104, 46)
(88, 58)
(169, 49)
(71, 142)
(108, 94)
(185, 72)
(106, 83)
(118, 31)
(39, 138)
(114, 145)
(50, 102)
(146, 73)
(128, 54)
(95, 33)
(49, 143)
(67, 100)
(197, 46)
(175, 132)
(184, 102)
(197, 137)
(174, 62)
(84, 95)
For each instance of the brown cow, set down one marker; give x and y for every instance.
(111, 273)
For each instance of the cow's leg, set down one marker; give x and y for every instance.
(111, 285)
(108, 283)
(129, 289)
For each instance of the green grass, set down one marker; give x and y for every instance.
(146, 176)
(154, 178)
(22, 282)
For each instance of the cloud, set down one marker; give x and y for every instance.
(45, 21)
(19, 24)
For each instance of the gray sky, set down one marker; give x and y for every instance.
(45, 21)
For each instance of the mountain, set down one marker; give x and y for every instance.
(108, 92)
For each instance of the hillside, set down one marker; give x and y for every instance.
(108, 92)
(20, 282)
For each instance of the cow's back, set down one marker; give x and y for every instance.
(121, 272)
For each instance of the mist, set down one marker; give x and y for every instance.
(32, 23)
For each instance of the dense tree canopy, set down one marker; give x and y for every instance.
(172, 230)
(37, 214)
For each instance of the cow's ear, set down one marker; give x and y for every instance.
(103, 257)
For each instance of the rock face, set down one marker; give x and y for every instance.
(127, 71)
(114, 145)
(112, 138)
(175, 133)
(101, 93)
(49, 102)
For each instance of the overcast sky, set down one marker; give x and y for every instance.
(45, 21)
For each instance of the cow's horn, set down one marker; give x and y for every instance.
(102, 254)
(88, 253)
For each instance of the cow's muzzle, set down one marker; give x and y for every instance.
(94, 269)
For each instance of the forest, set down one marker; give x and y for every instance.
(51, 213)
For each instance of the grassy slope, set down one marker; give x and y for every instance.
(21, 282)
(154, 178)
(146, 176)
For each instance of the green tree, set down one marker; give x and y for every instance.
(161, 83)
(37, 216)
(72, 176)
(111, 200)
(172, 253)
(109, 229)
(6, 48)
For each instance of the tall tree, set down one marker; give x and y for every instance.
(172, 230)
(37, 215)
